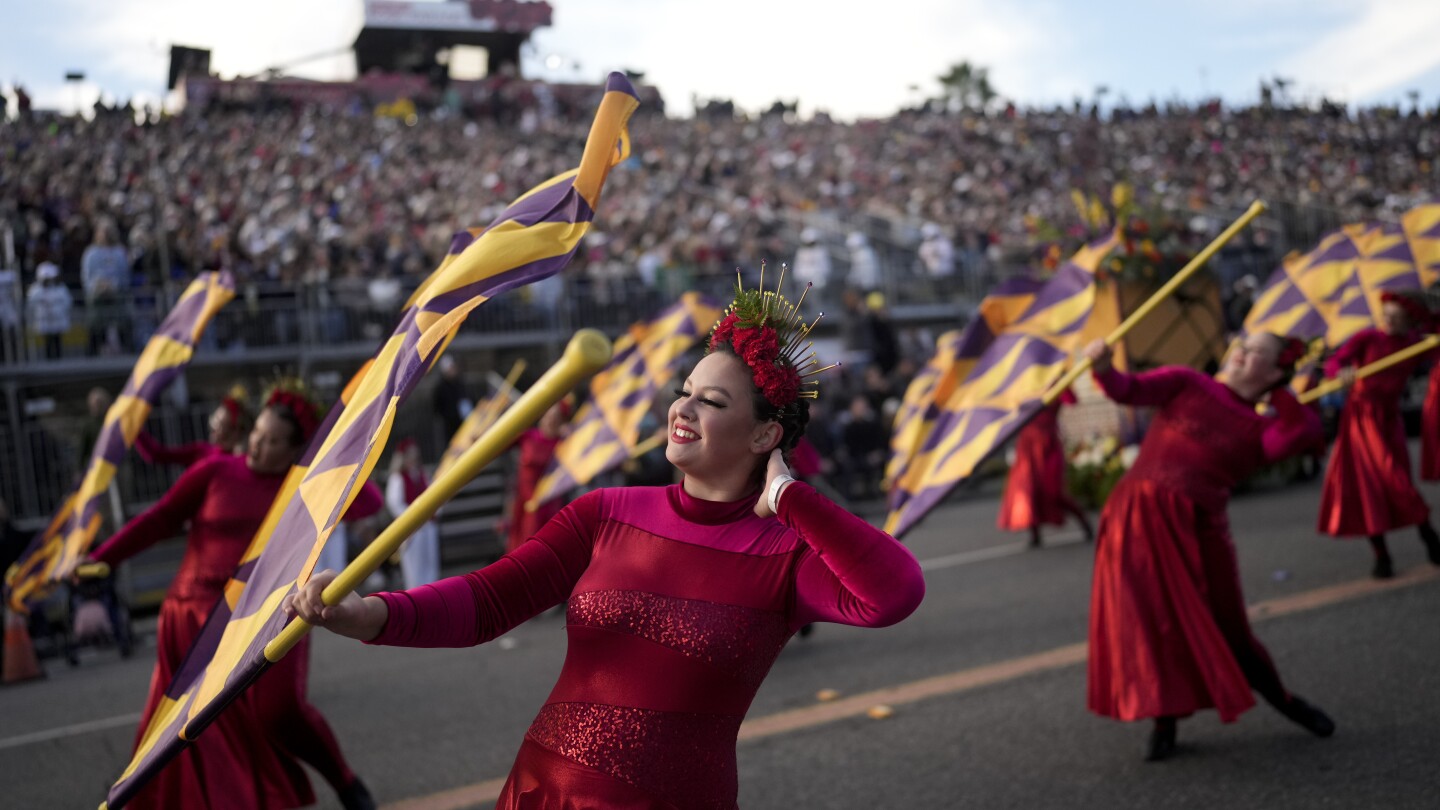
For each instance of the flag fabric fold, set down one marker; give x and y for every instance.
(606, 429)
(532, 239)
(54, 553)
(986, 382)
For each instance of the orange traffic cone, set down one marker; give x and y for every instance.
(20, 661)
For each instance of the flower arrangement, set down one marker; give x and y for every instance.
(1155, 243)
(1095, 466)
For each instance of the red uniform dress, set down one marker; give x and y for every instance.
(1168, 629)
(1035, 492)
(1430, 429)
(676, 609)
(536, 452)
(1369, 488)
(247, 757)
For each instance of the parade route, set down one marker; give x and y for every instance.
(985, 682)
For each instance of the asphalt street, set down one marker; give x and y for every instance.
(985, 684)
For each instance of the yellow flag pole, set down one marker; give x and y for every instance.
(1374, 368)
(1256, 209)
(587, 352)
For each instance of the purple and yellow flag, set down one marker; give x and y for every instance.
(996, 382)
(956, 353)
(55, 552)
(607, 428)
(1334, 290)
(532, 239)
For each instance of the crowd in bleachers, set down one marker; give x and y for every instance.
(354, 207)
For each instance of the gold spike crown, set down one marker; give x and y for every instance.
(770, 335)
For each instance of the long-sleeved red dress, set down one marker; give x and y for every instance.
(247, 757)
(1430, 428)
(677, 607)
(1035, 492)
(1369, 488)
(1168, 630)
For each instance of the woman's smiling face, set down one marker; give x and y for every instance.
(713, 429)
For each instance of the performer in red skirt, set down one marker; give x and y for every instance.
(1168, 630)
(1368, 488)
(249, 757)
(537, 448)
(1035, 492)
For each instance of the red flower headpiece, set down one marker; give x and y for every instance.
(305, 413)
(233, 407)
(1420, 314)
(766, 331)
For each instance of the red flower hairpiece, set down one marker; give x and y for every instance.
(1419, 314)
(304, 412)
(1291, 352)
(766, 332)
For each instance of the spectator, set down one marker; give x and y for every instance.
(937, 255)
(864, 264)
(105, 274)
(47, 305)
(812, 261)
(450, 402)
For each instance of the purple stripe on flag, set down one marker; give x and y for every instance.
(976, 338)
(1339, 250)
(557, 202)
(639, 396)
(499, 283)
(618, 83)
(1069, 281)
(1033, 351)
(460, 241)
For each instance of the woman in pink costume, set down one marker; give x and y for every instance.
(679, 598)
(1369, 489)
(1035, 492)
(1168, 630)
(249, 757)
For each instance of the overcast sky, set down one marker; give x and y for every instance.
(754, 51)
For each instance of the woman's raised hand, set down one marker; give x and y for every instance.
(355, 617)
(775, 468)
(1099, 352)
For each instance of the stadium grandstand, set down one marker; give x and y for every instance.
(330, 201)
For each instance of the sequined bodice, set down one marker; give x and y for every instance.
(672, 628)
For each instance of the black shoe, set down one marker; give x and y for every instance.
(1162, 740)
(356, 796)
(1384, 569)
(1309, 717)
(1432, 548)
